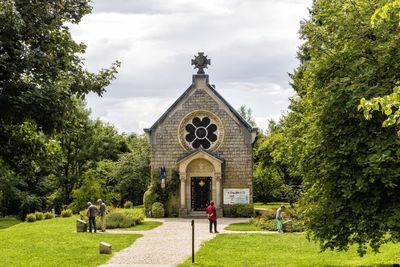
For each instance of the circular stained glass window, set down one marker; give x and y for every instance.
(201, 129)
(201, 132)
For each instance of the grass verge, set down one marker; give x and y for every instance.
(283, 250)
(54, 242)
(145, 225)
(270, 205)
(245, 226)
(8, 222)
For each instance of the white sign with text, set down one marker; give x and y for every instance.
(236, 196)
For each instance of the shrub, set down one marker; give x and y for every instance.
(31, 217)
(118, 220)
(157, 210)
(270, 224)
(268, 213)
(148, 200)
(124, 218)
(39, 216)
(136, 215)
(66, 213)
(128, 205)
(83, 215)
(242, 210)
(48, 215)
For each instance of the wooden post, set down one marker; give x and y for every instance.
(192, 241)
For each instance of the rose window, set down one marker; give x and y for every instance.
(201, 132)
(201, 129)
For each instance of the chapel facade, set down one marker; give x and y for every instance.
(203, 139)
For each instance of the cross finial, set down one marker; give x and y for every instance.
(200, 62)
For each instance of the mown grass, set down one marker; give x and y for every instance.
(54, 242)
(145, 225)
(245, 226)
(270, 205)
(8, 222)
(283, 250)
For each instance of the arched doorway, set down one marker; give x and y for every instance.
(200, 175)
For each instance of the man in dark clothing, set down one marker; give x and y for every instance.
(212, 217)
(102, 212)
(91, 213)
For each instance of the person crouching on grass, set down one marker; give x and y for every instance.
(212, 217)
(279, 220)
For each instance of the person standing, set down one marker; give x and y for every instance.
(279, 220)
(212, 217)
(91, 213)
(102, 213)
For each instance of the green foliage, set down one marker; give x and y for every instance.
(148, 200)
(155, 193)
(346, 163)
(389, 106)
(90, 190)
(66, 213)
(124, 218)
(240, 210)
(275, 176)
(31, 217)
(48, 215)
(247, 115)
(157, 210)
(128, 205)
(118, 220)
(39, 216)
(42, 129)
(268, 213)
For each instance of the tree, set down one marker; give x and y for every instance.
(275, 177)
(41, 72)
(40, 67)
(132, 173)
(385, 17)
(346, 163)
(247, 115)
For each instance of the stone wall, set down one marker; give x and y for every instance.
(236, 148)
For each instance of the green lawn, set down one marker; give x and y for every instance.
(8, 222)
(283, 250)
(243, 227)
(270, 205)
(55, 243)
(145, 225)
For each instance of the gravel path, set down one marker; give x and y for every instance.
(168, 244)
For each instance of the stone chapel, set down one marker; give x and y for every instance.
(204, 139)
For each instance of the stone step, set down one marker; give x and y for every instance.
(197, 214)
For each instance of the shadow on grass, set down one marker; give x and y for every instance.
(8, 222)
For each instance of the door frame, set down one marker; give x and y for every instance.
(193, 179)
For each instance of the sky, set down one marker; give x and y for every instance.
(252, 45)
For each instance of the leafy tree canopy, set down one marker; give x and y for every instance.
(350, 167)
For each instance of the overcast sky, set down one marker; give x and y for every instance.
(252, 45)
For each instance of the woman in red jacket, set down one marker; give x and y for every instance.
(212, 217)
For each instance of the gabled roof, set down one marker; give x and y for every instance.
(200, 150)
(187, 91)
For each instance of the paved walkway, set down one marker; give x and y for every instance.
(168, 244)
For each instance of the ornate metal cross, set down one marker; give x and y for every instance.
(200, 62)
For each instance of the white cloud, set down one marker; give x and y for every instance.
(262, 122)
(131, 114)
(252, 46)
